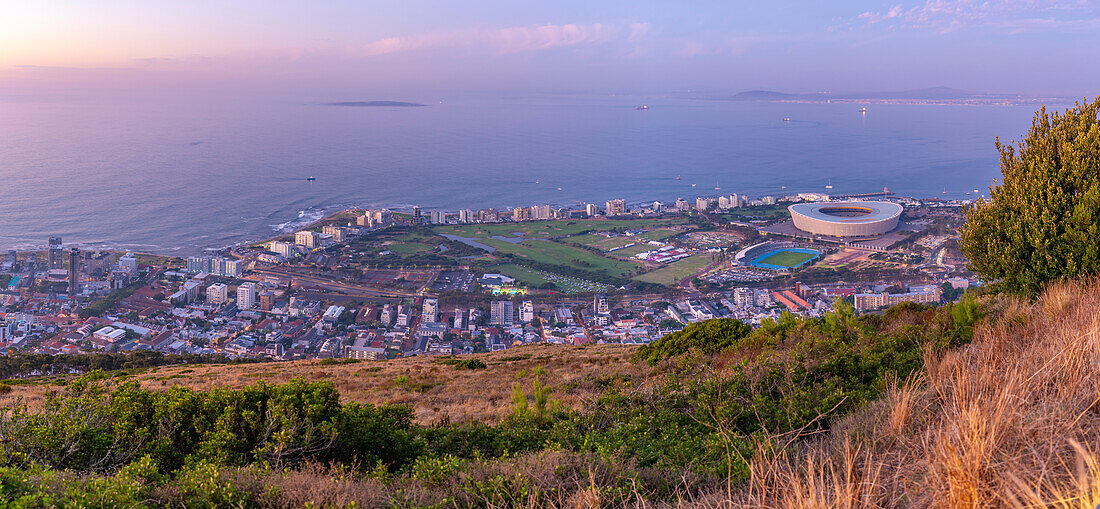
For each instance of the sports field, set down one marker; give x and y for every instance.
(785, 258)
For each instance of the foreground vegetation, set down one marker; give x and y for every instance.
(679, 432)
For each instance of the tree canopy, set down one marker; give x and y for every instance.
(710, 336)
(1042, 221)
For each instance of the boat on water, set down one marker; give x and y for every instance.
(829, 185)
(863, 110)
(311, 178)
(786, 119)
(716, 188)
(677, 177)
(642, 107)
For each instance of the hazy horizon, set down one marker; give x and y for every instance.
(377, 50)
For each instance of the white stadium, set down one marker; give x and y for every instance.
(846, 219)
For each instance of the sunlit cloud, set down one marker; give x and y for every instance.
(509, 40)
(1016, 15)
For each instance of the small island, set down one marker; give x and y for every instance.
(368, 104)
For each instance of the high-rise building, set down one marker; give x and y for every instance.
(431, 310)
(616, 207)
(768, 200)
(681, 205)
(232, 268)
(702, 204)
(465, 216)
(246, 296)
(217, 266)
(267, 300)
(658, 207)
(500, 313)
(284, 249)
(306, 239)
(489, 215)
(217, 293)
(437, 216)
(54, 256)
(526, 311)
(471, 321)
(416, 213)
(128, 263)
(458, 318)
(540, 212)
(339, 233)
(74, 271)
(599, 305)
(521, 214)
(196, 264)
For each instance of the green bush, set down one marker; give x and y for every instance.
(711, 336)
(1042, 221)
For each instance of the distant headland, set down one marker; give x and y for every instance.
(369, 104)
(929, 96)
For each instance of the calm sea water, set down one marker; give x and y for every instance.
(178, 177)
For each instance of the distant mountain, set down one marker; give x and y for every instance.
(762, 95)
(932, 95)
(368, 104)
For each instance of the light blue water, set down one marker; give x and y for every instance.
(180, 176)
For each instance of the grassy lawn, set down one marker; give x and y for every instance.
(676, 271)
(633, 250)
(559, 254)
(408, 247)
(564, 284)
(547, 229)
(603, 243)
(787, 258)
(521, 274)
(660, 234)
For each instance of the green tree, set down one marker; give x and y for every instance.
(1042, 222)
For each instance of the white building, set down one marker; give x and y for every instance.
(527, 311)
(306, 239)
(431, 310)
(458, 318)
(284, 249)
(246, 296)
(128, 263)
(616, 207)
(217, 293)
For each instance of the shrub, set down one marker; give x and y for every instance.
(710, 336)
(1042, 222)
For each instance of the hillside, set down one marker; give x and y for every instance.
(1009, 420)
(977, 404)
(433, 389)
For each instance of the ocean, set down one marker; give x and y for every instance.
(182, 176)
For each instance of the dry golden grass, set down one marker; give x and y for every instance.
(434, 391)
(999, 423)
